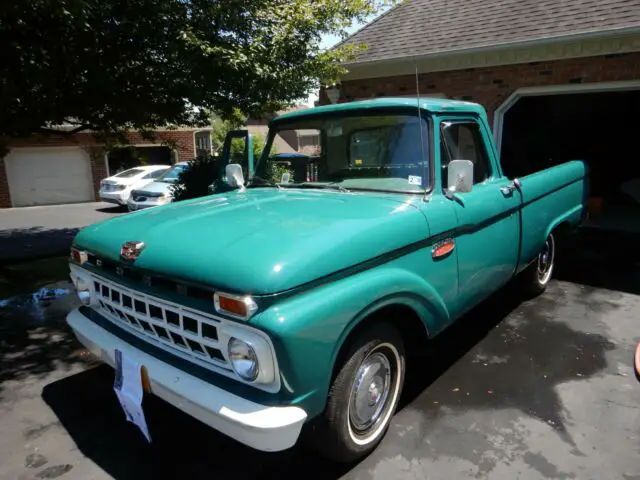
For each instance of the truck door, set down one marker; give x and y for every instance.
(488, 231)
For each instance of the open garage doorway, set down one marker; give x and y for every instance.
(598, 127)
(124, 158)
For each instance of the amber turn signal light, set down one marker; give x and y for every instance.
(235, 305)
(78, 256)
(444, 248)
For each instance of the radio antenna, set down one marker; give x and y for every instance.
(422, 157)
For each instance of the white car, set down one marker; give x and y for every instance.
(157, 192)
(117, 188)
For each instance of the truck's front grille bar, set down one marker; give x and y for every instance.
(187, 331)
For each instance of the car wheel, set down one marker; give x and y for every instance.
(537, 276)
(363, 396)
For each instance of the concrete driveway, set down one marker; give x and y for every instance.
(541, 389)
(30, 232)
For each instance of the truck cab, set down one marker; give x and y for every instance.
(290, 303)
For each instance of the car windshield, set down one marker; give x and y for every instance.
(171, 175)
(132, 172)
(378, 151)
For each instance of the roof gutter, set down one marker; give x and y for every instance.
(589, 35)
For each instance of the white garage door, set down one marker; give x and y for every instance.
(42, 176)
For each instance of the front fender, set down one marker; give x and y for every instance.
(308, 330)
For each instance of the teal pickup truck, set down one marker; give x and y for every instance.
(285, 307)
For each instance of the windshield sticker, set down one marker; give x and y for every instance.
(358, 161)
(415, 180)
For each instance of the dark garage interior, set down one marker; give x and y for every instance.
(600, 128)
(124, 158)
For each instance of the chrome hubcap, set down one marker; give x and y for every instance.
(545, 259)
(370, 391)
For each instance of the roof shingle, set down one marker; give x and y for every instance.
(423, 27)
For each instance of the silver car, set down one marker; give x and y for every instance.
(157, 192)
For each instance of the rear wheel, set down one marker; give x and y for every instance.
(537, 276)
(363, 396)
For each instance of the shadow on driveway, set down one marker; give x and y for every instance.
(22, 244)
(112, 209)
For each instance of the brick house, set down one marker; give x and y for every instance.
(43, 170)
(559, 80)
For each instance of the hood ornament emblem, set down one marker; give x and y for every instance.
(131, 250)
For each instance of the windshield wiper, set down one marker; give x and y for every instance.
(324, 186)
(264, 181)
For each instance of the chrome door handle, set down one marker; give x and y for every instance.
(509, 189)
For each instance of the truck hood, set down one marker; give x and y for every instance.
(262, 240)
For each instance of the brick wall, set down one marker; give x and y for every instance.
(179, 140)
(492, 86)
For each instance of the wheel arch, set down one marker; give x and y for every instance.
(410, 315)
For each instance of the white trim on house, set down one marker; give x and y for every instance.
(500, 112)
(546, 49)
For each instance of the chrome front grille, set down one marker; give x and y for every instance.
(179, 329)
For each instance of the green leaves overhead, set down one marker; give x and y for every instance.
(110, 65)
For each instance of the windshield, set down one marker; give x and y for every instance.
(357, 152)
(171, 175)
(132, 172)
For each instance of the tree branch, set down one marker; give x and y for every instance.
(64, 133)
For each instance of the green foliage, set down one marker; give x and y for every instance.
(117, 65)
(275, 172)
(194, 181)
(221, 126)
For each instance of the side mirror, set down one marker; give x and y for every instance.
(234, 176)
(460, 176)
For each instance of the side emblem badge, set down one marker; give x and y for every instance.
(130, 250)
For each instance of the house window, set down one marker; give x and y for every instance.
(203, 143)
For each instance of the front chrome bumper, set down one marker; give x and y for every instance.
(261, 427)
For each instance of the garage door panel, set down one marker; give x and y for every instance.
(48, 176)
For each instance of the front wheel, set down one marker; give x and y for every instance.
(363, 396)
(537, 276)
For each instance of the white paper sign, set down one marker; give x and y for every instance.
(415, 180)
(128, 388)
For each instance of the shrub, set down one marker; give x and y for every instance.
(194, 181)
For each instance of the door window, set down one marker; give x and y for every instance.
(463, 141)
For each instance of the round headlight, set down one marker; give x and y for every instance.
(243, 359)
